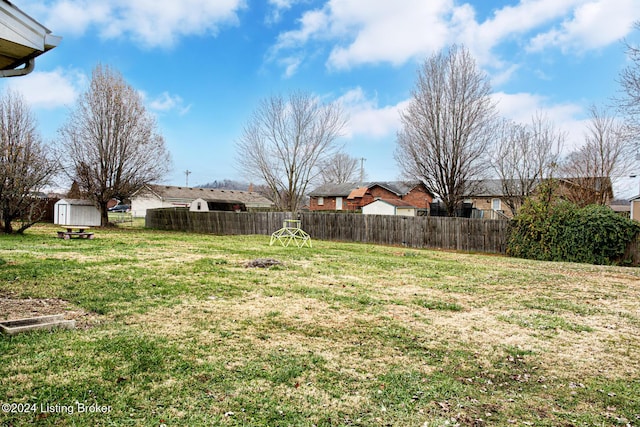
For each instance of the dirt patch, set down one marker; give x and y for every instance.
(16, 308)
(262, 263)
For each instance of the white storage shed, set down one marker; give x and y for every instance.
(76, 212)
(389, 207)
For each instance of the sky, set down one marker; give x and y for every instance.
(203, 66)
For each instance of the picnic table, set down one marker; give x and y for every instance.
(80, 233)
(291, 232)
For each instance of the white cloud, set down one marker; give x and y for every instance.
(366, 118)
(165, 102)
(592, 25)
(385, 31)
(278, 7)
(50, 89)
(361, 32)
(370, 120)
(366, 31)
(152, 23)
(568, 117)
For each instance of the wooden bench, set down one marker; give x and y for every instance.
(81, 233)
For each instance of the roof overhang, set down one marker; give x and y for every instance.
(22, 39)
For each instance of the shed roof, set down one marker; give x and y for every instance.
(76, 202)
(396, 203)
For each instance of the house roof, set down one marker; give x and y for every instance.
(358, 193)
(23, 38)
(620, 205)
(399, 188)
(189, 194)
(494, 188)
(395, 202)
(487, 188)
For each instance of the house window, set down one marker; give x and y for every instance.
(320, 201)
(496, 204)
(338, 203)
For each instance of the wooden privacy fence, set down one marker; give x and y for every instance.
(463, 234)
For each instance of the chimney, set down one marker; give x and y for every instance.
(250, 187)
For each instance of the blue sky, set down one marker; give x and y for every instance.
(204, 65)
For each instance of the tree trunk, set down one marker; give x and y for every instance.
(7, 228)
(104, 215)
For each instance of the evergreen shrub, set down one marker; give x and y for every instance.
(562, 231)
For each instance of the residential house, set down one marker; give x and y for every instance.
(586, 190)
(621, 206)
(353, 196)
(488, 199)
(164, 196)
(635, 208)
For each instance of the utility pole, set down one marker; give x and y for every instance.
(362, 160)
(187, 173)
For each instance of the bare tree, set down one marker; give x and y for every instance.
(629, 103)
(448, 126)
(605, 155)
(110, 142)
(524, 155)
(340, 168)
(284, 143)
(26, 165)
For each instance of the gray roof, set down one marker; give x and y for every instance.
(189, 194)
(400, 188)
(486, 188)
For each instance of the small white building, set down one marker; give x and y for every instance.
(389, 207)
(208, 205)
(76, 212)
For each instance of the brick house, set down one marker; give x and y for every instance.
(488, 197)
(353, 196)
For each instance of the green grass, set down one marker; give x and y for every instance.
(174, 330)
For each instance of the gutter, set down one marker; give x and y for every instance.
(29, 66)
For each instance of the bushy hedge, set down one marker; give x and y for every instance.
(561, 231)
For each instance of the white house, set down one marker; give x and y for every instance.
(75, 212)
(389, 207)
(165, 196)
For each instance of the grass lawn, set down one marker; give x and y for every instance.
(173, 329)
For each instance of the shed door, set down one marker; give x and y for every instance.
(62, 214)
